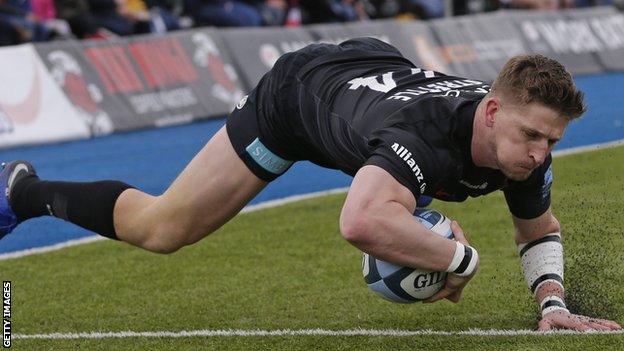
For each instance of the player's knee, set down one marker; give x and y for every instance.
(166, 238)
(164, 249)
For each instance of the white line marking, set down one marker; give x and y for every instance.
(293, 198)
(275, 203)
(38, 250)
(593, 147)
(305, 332)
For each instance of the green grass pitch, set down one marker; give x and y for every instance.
(288, 268)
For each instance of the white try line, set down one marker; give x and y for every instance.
(305, 332)
(274, 203)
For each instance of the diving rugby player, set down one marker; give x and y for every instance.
(404, 133)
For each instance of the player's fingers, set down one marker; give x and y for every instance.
(544, 325)
(597, 326)
(458, 233)
(559, 320)
(573, 323)
(582, 327)
(440, 295)
(607, 323)
(454, 297)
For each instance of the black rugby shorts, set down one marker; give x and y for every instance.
(250, 144)
(265, 126)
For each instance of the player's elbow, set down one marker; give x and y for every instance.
(356, 227)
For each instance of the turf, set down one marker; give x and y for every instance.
(541, 343)
(288, 267)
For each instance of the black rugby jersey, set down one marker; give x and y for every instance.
(360, 108)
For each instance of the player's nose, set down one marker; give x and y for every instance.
(538, 156)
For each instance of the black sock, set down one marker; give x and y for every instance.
(89, 205)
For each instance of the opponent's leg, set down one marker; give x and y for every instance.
(213, 188)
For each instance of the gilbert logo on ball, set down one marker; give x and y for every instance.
(403, 284)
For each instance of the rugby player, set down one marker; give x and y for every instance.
(404, 133)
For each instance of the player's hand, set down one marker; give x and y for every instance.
(562, 319)
(452, 290)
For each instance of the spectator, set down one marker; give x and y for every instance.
(382, 8)
(272, 12)
(293, 14)
(426, 9)
(588, 3)
(150, 17)
(126, 17)
(81, 21)
(44, 12)
(223, 13)
(9, 35)
(163, 15)
(109, 14)
(405, 9)
(320, 11)
(463, 7)
(43, 9)
(18, 15)
(538, 4)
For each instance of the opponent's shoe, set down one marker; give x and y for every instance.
(11, 173)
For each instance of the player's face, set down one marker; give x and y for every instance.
(524, 136)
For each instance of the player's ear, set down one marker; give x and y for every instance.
(492, 107)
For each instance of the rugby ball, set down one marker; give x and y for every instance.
(403, 284)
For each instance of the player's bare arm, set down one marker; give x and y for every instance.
(377, 218)
(539, 240)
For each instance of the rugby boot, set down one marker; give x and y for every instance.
(11, 173)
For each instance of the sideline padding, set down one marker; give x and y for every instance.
(72, 72)
(608, 27)
(425, 49)
(473, 49)
(554, 35)
(495, 46)
(414, 39)
(257, 50)
(32, 107)
(145, 81)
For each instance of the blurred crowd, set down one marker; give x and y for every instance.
(43, 20)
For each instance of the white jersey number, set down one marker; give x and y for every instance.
(387, 83)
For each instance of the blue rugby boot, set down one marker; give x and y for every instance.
(11, 173)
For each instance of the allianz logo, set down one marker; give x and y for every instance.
(406, 155)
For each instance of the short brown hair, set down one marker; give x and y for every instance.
(537, 78)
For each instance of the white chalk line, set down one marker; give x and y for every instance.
(305, 332)
(275, 203)
(586, 148)
(43, 249)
